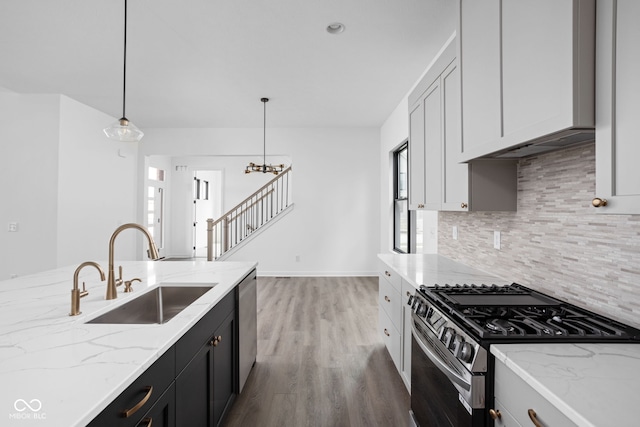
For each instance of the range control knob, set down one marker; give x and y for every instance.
(465, 352)
(422, 310)
(416, 307)
(446, 336)
(457, 344)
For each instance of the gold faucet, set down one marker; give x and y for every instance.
(152, 252)
(76, 293)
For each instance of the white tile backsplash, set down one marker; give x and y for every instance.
(556, 242)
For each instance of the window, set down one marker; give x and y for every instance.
(401, 213)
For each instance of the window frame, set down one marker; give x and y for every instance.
(404, 147)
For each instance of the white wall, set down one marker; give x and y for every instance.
(29, 126)
(63, 182)
(97, 187)
(333, 228)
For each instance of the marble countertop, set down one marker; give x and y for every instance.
(57, 370)
(594, 385)
(433, 269)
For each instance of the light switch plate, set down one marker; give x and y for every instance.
(496, 240)
(455, 232)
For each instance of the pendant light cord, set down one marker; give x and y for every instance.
(264, 135)
(124, 72)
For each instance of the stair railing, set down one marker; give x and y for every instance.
(248, 216)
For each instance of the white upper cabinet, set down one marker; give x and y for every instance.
(618, 110)
(437, 181)
(527, 74)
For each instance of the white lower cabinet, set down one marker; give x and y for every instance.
(394, 319)
(390, 336)
(405, 367)
(519, 404)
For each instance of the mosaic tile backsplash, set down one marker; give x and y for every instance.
(556, 242)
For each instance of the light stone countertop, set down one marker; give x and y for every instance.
(594, 385)
(433, 269)
(68, 371)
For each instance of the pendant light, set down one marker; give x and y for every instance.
(264, 168)
(123, 129)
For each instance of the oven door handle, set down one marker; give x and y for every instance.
(453, 376)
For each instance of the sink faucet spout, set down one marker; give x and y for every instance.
(76, 293)
(152, 252)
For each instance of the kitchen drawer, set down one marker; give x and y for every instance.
(506, 419)
(147, 389)
(518, 398)
(390, 275)
(390, 336)
(390, 301)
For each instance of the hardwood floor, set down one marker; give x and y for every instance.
(320, 360)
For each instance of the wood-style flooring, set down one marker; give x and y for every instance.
(320, 359)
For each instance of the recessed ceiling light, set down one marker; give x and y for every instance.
(335, 28)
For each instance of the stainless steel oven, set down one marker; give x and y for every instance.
(453, 328)
(444, 392)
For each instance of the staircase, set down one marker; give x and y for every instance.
(248, 217)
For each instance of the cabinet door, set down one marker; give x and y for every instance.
(194, 392)
(206, 387)
(455, 176)
(405, 366)
(479, 39)
(537, 67)
(617, 146)
(224, 368)
(433, 146)
(416, 157)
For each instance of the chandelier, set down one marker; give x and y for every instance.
(264, 167)
(123, 129)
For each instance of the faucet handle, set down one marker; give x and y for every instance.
(84, 292)
(119, 279)
(128, 283)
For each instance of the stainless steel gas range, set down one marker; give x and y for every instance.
(453, 328)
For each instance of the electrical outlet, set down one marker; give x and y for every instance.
(12, 227)
(455, 232)
(496, 240)
(297, 258)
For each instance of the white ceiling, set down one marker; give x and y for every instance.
(207, 63)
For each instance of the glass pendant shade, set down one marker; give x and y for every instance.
(123, 130)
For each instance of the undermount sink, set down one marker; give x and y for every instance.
(157, 306)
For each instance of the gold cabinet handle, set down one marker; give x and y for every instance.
(386, 273)
(463, 205)
(420, 206)
(386, 332)
(598, 202)
(534, 418)
(495, 414)
(408, 293)
(386, 298)
(146, 422)
(128, 412)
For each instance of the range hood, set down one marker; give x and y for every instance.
(555, 141)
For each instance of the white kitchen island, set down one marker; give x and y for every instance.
(56, 370)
